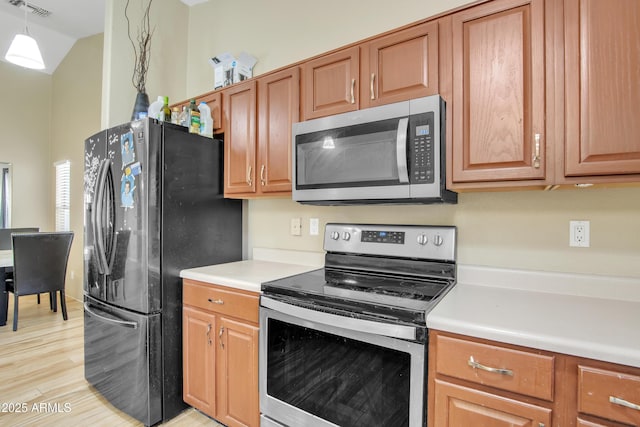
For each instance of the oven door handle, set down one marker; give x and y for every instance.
(336, 321)
(401, 150)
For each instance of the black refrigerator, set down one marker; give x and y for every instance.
(153, 205)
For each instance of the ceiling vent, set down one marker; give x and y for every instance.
(31, 8)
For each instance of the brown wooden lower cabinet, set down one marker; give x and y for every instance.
(464, 406)
(477, 382)
(220, 353)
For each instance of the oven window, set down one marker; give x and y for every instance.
(347, 382)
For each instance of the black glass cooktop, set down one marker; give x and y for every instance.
(404, 299)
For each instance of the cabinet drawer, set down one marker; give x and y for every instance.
(609, 394)
(458, 406)
(220, 299)
(518, 371)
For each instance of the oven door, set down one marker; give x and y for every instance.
(321, 369)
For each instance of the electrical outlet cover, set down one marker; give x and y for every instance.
(579, 234)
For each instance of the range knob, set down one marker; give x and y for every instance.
(438, 240)
(335, 235)
(346, 235)
(422, 239)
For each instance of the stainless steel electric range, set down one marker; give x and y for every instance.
(346, 345)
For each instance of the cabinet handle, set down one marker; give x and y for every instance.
(501, 371)
(353, 91)
(625, 403)
(249, 180)
(536, 153)
(216, 301)
(220, 337)
(209, 333)
(373, 79)
(263, 180)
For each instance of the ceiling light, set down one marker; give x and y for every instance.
(24, 50)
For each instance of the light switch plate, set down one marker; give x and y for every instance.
(296, 226)
(314, 224)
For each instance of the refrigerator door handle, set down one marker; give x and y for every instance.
(95, 217)
(123, 323)
(110, 250)
(99, 208)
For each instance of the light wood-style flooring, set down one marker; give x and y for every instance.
(42, 374)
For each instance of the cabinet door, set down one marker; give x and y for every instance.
(400, 66)
(330, 84)
(198, 354)
(278, 109)
(462, 406)
(498, 92)
(240, 138)
(602, 79)
(238, 374)
(214, 101)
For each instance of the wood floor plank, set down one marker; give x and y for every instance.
(42, 374)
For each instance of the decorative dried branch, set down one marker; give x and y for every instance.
(141, 50)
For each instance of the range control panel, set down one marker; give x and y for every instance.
(406, 241)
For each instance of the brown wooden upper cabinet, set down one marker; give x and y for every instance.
(258, 119)
(240, 138)
(391, 68)
(602, 89)
(496, 99)
(330, 84)
(400, 66)
(214, 101)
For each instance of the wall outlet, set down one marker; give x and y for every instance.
(314, 226)
(296, 226)
(579, 234)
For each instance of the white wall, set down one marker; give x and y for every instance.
(168, 65)
(25, 123)
(77, 95)
(281, 32)
(505, 229)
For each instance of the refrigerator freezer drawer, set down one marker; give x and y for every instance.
(122, 359)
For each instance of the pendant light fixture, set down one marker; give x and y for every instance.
(24, 49)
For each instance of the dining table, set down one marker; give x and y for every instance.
(6, 260)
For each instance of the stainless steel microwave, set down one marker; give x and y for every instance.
(388, 154)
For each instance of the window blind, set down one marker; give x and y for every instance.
(63, 195)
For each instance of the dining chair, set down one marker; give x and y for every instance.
(6, 244)
(39, 266)
(5, 235)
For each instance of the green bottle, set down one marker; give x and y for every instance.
(194, 117)
(166, 111)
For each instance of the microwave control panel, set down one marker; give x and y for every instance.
(421, 148)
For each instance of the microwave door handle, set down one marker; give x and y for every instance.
(401, 150)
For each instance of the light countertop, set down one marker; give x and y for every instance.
(587, 316)
(6, 258)
(247, 275)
